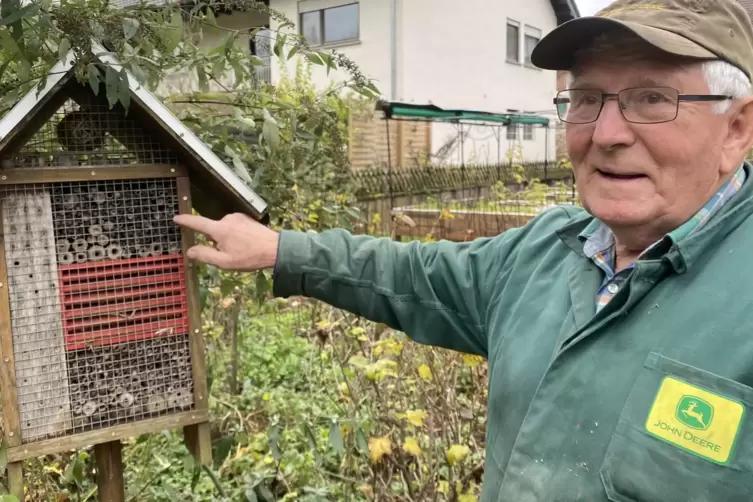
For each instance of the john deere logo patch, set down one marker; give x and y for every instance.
(696, 420)
(694, 412)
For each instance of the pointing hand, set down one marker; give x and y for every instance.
(240, 242)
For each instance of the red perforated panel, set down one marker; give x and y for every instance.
(119, 301)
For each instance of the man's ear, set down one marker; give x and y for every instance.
(739, 138)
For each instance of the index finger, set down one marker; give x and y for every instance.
(195, 222)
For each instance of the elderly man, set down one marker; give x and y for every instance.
(621, 357)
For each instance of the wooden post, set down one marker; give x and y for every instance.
(110, 485)
(196, 436)
(11, 417)
(16, 480)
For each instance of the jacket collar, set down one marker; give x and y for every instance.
(683, 253)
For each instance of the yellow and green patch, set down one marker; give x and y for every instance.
(696, 420)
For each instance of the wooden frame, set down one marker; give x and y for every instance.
(197, 436)
(11, 415)
(195, 422)
(26, 175)
(105, 435)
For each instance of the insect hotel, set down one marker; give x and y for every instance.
(99, 310)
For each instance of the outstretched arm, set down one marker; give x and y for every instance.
(435, 292)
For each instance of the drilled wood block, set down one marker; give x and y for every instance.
(38, 343)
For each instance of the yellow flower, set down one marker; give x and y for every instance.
(416, 417)
(424, 372)
(379, 447)
(457, 453)
(410, 445)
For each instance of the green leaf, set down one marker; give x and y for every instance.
(358, 361)
(241, 170)
(172, 32)
(138, 73)
(112, 85)
(270, 131)
(63, 48)
(9, 498)
(209, 14)
(124, 89)
(279, 45)
(361, 442)
(311, 439)
(315, 58)
(94, 78)
(10, 48)
(18, 14)
(274, 442)
(222, 448)
(265, 493)
(293, 52)
(336, 438)
(226, 286)
(218, 67)
(262, 285)
(202, 76)
(251, 494)
(130, 27)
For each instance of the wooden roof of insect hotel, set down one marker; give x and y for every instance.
(216, 189)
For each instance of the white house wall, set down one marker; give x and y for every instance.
(454, 55)
(370, 53)
(451, 54)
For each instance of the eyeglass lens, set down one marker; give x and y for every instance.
(642, 105)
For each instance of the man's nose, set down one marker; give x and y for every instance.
(611, 127)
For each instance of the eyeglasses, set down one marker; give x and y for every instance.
(641, 105)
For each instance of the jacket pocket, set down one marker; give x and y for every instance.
(684, 434)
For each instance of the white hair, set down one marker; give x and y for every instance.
(721, 76)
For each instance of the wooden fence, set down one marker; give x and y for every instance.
(454, 203)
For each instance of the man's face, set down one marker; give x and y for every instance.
(646, 175)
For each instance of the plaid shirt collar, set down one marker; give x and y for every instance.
(599, 243)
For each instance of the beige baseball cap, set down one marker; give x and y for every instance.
(703, 29)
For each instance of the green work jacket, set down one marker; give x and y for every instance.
(647, 400)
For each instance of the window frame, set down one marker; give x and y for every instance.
(511, 23)
(530, 32)
(323, 27)
(527, 132)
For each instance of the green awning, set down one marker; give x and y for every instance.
(395, 110)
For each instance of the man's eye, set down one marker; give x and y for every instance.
(652, 98)
(587, 99)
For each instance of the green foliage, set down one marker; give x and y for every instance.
(149, 41)
(292, 140)
(307, 403)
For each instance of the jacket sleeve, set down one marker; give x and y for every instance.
(437, 293)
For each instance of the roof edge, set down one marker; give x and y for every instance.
(13, 122)
(184, 135)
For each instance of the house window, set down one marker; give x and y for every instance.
(331, 25)
(512, 131)
(533, 35)
(528, 132)
(513, 41)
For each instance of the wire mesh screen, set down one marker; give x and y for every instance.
(91, 135)
(98, 304)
